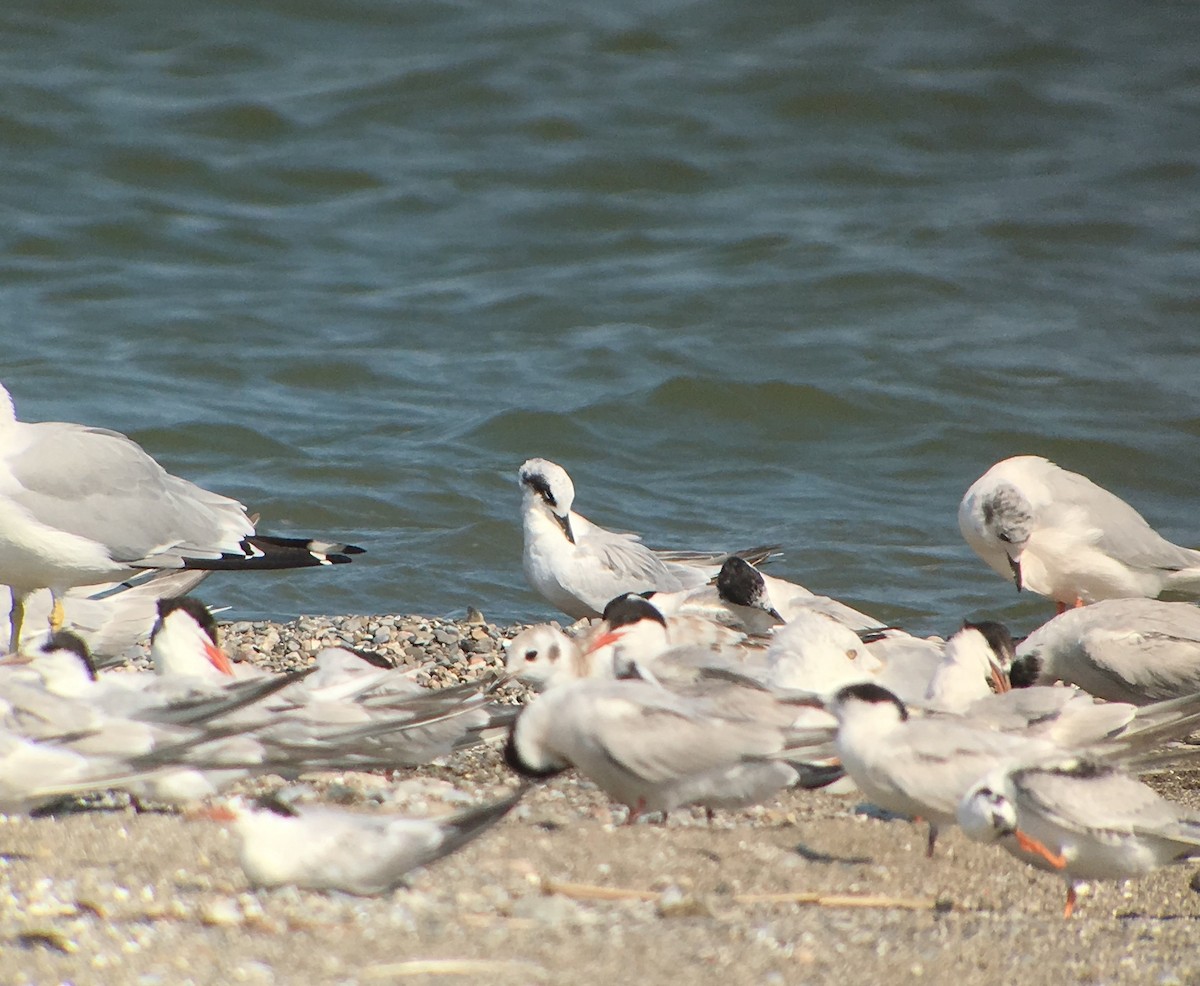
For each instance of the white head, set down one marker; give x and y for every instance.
(543, 656)
(545, 486)
(817, 653)
(974, 663)
(986, 812)
(64, 664)
(869, 703)
(184, 640)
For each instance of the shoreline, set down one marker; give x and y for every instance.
(557, 893)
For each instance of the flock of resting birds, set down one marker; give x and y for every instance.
(690, 678)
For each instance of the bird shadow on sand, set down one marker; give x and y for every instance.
(817, 856)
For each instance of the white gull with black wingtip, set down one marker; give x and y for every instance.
(579, 566)
(81, 505)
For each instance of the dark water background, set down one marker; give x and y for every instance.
(793, 272)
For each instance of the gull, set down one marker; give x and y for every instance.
(578, 566)
(81, 505)
(326, 848)
(1122, 650)
(653, 749)
(1081, 818)
(1060, 535)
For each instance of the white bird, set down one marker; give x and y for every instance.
(113, 619)
(80, 506)
(542, 656)
(1122, 650)
(1058, 534)
(579, 566)
(917, 766)
(1080, 818)
(653, 749)
(326, 848)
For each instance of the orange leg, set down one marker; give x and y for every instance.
(1070, 907)
(1037, 848)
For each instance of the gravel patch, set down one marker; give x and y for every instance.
(558, 891)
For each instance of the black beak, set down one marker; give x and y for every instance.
(565, 523)
(1016, 570)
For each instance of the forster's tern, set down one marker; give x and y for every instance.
(1122, 650)
(917, 766)
(653, 749)
(1081, 818)
(81, 505)
(326, 848)
(579, 566)
(1058, 534)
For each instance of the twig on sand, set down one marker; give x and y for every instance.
(591, 891)
(454, 967)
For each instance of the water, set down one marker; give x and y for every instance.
(787, 272)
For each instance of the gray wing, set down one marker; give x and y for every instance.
(1121, 531)
(1085, 796)
(660, 737)
(102, 486)
(610, 564)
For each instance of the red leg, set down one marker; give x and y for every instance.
(1070, 908)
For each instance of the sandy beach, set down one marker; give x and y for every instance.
(812, 888)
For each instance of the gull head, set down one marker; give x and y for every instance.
(1007, 517)
(545, 485)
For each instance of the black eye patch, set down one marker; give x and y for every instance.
(537, 483)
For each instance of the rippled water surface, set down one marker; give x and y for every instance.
(785, 272)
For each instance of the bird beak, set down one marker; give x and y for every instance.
(1015, 565)
(565, 523)
(606, 638)
(1000, 682)
(218, 659)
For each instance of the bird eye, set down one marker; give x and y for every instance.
(1005, 537)
(531, 655)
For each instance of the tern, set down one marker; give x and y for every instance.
(1121, 650)
(1081, 818)
(327, 848)
(579, 566)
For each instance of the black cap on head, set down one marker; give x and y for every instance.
(193, 607)
(868, 691)
(998, 637)
(740, 583)
(66, 640)
(1025, 671)
(630, 608)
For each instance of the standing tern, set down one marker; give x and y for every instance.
(653, 749)
(326, 848)
(1060, 535)
(82, 505)
(1122, 650)
(579, 566)
(1081, 818)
